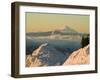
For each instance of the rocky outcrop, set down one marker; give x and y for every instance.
(45, 55)
(78, 57)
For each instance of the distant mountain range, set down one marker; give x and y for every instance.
(65, 31)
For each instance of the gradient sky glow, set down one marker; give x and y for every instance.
(41, 22)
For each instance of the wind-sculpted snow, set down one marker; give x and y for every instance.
(45, 55)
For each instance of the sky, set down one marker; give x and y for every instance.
(43, 22)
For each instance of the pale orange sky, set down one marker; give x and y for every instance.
(41, 22)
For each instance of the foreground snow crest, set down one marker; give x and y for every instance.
(45, 55)
(80, 56)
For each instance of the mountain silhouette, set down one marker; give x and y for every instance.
(67, 29)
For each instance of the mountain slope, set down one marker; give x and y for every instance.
(45, 55)
(80, 56)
